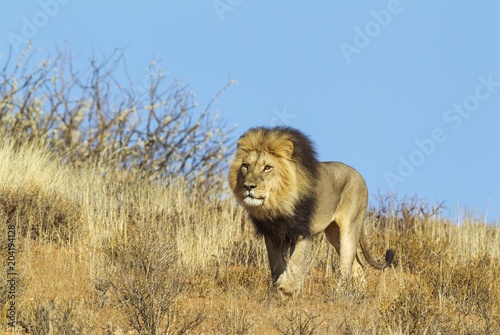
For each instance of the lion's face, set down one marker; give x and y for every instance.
(259, 178)
(263, 179)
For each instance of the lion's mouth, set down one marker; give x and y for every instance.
(253, 201)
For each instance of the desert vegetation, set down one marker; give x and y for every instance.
(123, 225)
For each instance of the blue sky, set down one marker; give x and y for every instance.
(407, 92)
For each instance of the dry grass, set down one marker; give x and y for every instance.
(111, 254)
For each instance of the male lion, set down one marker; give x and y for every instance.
(290, 197)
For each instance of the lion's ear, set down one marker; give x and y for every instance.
(287, 148)
(240, 143)
(243, 144)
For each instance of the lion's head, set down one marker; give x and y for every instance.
(274, 169)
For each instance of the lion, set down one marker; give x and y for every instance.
(290, 197)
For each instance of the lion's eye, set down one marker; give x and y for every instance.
(244, 166)
(267, 168)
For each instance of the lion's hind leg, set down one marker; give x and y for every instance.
(346, 246)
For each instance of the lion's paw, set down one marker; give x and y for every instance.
(288, 285)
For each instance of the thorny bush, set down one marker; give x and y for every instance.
(87, 115)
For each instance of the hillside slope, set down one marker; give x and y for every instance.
(98, 253)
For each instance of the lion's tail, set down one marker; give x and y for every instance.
(389, 254)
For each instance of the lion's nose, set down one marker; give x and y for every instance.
(249, 186)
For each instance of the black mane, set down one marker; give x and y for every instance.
(286, 230)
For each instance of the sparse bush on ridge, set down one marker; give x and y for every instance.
(89, 115)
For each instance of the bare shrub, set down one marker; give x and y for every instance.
(146, 280)
(403, 213)
(90, 115)
(234, 321)
(415, 311)
(54, 318)
(298, 322)
(471, 290)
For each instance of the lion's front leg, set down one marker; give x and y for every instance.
(289, 267)
(277, 261)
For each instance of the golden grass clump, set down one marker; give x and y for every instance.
(36, 195)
